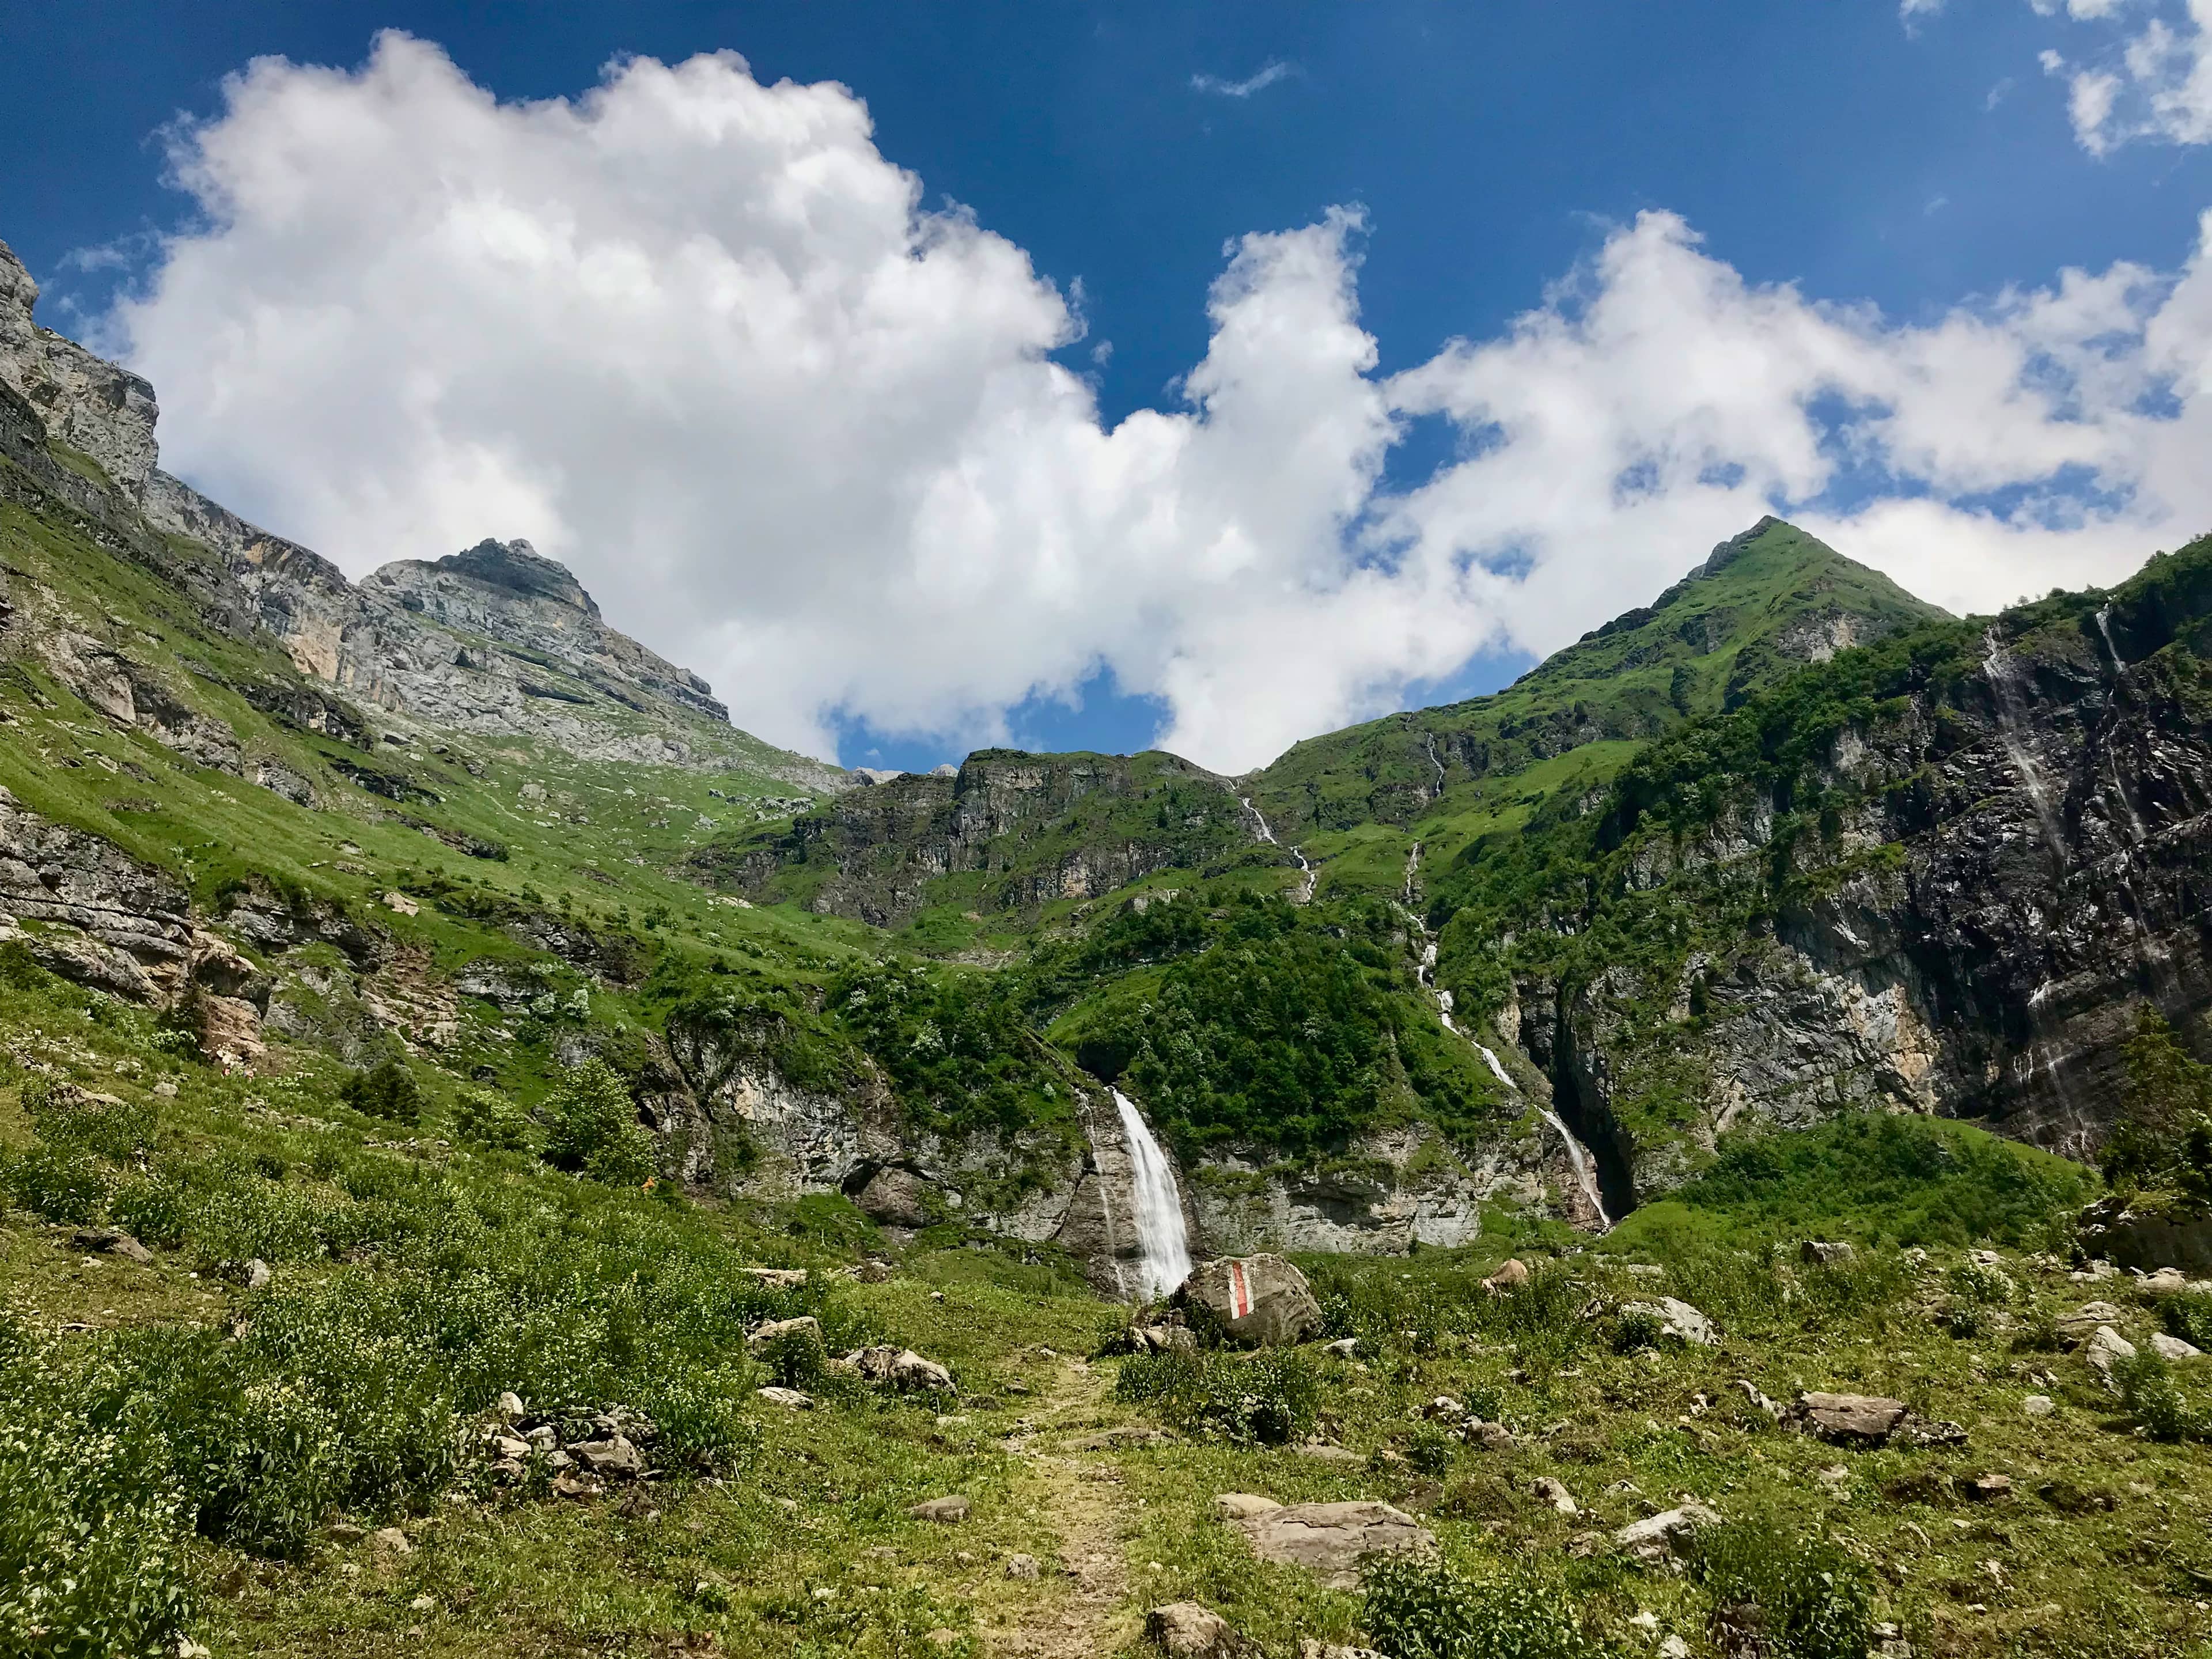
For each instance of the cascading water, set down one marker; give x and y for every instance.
(2004, 682)
(1578, 1159)
(1163, 1246)
(2105, 627)
(1438, 764)
(1311, 875)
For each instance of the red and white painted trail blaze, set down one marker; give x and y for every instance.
(1239, 1293)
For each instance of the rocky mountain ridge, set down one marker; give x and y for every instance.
(496, 641)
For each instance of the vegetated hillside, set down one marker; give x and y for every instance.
(1941, 874)
(986, 852)
(195, 822)
(1763, 604)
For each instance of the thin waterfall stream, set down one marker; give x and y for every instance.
(1312, 876)
(1163, 1244)
(1578, 1157)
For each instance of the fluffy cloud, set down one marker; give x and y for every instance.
(2153, 83)
(698, 337)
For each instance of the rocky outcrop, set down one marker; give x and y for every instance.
(96, 915)
(1038, 827)
(98, 410)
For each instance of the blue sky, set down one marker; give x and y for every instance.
(1491, 152)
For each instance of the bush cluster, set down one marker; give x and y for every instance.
(1270, 1398)
(1802, 1598)
(1417, 1608)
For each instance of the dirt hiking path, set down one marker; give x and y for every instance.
(1078, 1611)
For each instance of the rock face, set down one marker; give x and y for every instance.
(111, 923)
(1261, 1301)
(497, 639)
(2011, 860)
(95, 408)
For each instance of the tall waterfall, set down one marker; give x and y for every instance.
(1162, 1249)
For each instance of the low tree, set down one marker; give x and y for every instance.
(592, 1127)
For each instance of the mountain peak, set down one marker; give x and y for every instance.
(1726, 553)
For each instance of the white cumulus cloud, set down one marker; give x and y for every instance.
(2154, 80)
(698, 337)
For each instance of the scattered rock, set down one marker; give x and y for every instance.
(1554, 1495)
(1759, 1399)
(874, 1273)
(1443, 1407)
(1670, 1531)
(899, 1368)
(1985, 1488)
(1311, 1647)
(1848, 1419)
(1678, 1320)
(1260, 1301)
(614, 1456)
(1242, 1506)
(789, 1399)
(1327, 1540)
(1191, 1632)
(2082, 1322)
(2105, 1350)
(1022, 1566)
(1866, 1420)
(1819, 1254)
(390, 1541)
(778, 1278)
(1512, 1274)
(1344, 1347)
(111, 1241)
(896, 1198)
(771, 1330)
(400, 904)
(946, 1511)
(2173, 1347)
(257, 1274)
(1321, 1452)
(508, 1407)
(2038, 1405)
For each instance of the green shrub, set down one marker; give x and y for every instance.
(1269, 1398)
(1637, 1328)
(2189, 1316)
(387, 1089)
(592, 1127)
(58, 1184)
(1923, 1181)
(797, 1359)
(1793, 1599)
(20, 969)
(94, 1530)
(2155, 1400)
(1417, 1608)
(490, 1119)
(1429, 1449)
